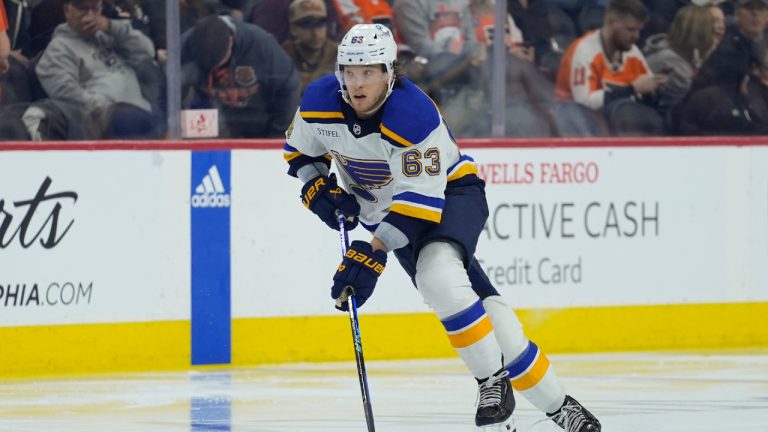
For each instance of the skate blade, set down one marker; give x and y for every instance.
(506, 426)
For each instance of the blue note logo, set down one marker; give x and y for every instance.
(210, 192)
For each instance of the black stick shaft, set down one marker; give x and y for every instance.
(355, 325)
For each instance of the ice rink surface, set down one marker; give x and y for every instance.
(645, 392)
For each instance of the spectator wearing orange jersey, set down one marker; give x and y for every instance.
(604, 69)
(5, 42)
(353, 12)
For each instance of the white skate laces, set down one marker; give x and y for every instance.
(573, 417)
(570, 417)
(489, 394)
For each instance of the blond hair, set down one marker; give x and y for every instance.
(691, 33)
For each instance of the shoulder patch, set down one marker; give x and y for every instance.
(322, 101)
(409, 116)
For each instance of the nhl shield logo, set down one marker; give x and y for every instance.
(356, 129)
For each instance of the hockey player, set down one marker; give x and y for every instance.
(406, 182)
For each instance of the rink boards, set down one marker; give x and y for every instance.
(169, 255)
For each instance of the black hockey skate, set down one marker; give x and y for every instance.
(495, 403)
(573, 417)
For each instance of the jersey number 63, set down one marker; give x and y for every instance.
(413, 166)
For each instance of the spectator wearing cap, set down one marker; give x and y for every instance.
(240, 69)
(312, 52)
(751, 18)
(272, 16)
(90, 67)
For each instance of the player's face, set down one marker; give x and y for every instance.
(625, 32)
(366, 85)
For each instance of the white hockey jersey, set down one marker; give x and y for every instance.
(396, 163)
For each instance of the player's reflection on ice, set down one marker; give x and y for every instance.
(211, 408)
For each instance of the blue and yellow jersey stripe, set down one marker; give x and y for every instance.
(418, 206)
(468, 326)
(290, 153)
(465, 166)
(296, 159)
(393, 138)
(528, 368)
(321, 102)
(322, 116)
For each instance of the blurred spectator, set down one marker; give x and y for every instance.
(605, 70)
(89, 72)
(18, 15)
(5, 42)
(44, 19)
(432, 28)
(18, 84)
(680, 52)
(312, 52)
(272, 16)
(353, 12)
(190, 11)
(731, 60)
(528, 101)
(546, 28)
(750, 18)
(240, 69)
(756, 88)
(443, 33)
(718, 17)
(128, 10)
(484, 15)
(725, 109)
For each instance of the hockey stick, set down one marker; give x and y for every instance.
(348, 296)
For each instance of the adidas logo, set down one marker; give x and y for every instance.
(211, 193)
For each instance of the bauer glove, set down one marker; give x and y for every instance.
(325, 198)
(359, 270)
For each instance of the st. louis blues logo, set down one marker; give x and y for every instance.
(366, 174)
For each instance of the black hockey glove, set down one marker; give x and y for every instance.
(360, 269)
(324, 197)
